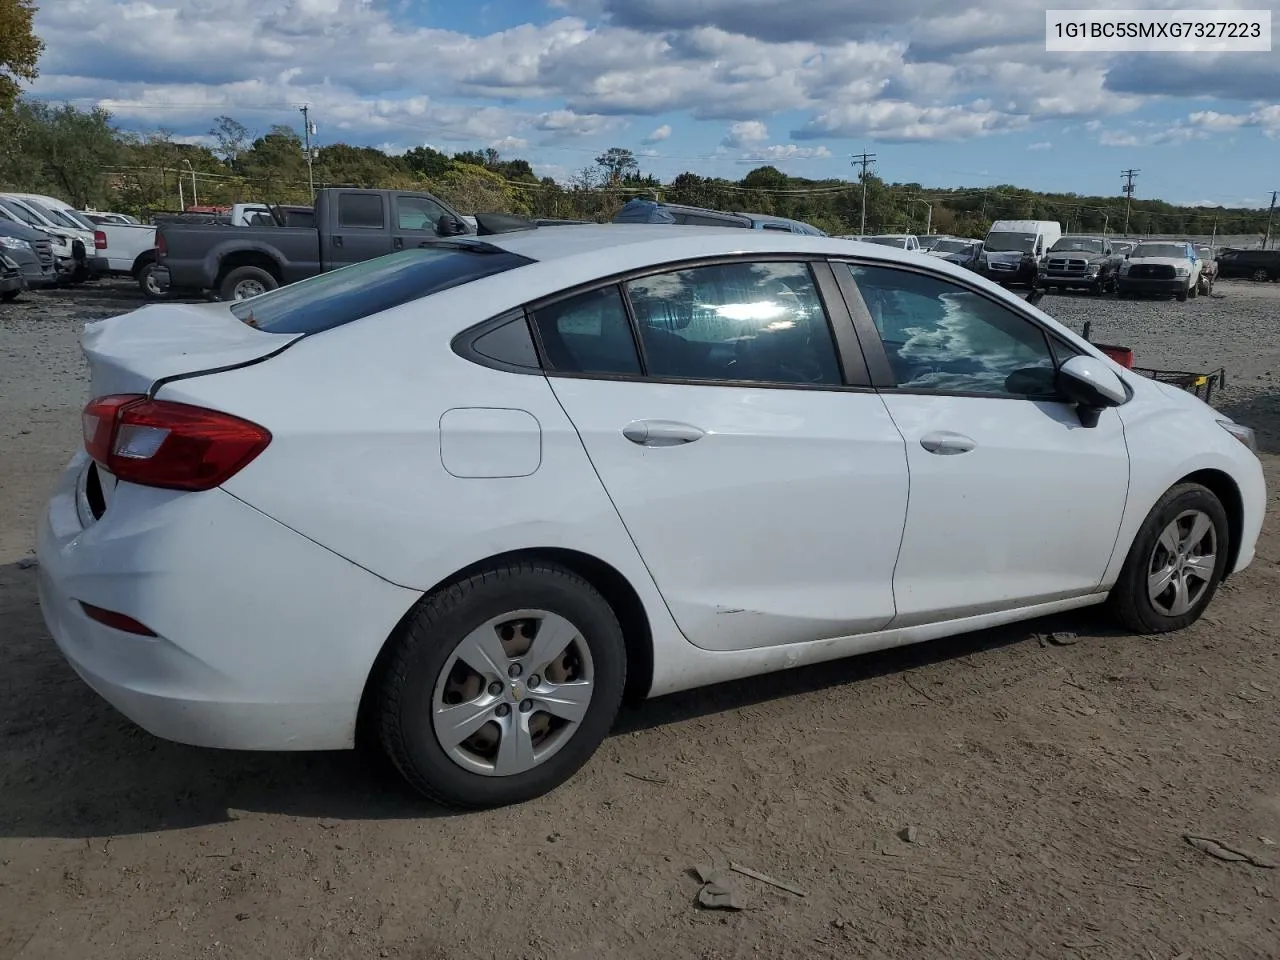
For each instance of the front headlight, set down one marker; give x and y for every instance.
(1181, 272)
(13, 243)
(1092, 269)
(1244, 434)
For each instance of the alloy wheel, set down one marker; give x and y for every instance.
(246, 289)
(512, 693)
(1182, 563)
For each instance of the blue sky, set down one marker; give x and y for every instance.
(944, 92)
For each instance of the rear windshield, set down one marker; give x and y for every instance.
(362, 289)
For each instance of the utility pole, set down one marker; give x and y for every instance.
(195, 197)
(1270, 210)
(865, 159)
(1128, 195)
(308, 128)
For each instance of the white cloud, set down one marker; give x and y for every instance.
(780, 153)
(1040, 145)
(507, 144)
(662, 133)
(744, 133)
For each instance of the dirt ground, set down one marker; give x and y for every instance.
(1049, 784)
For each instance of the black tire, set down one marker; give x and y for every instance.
(424, 646)
(1122, 294)
(9, 296)
(245, 275)
(1182, 296)
(1194, 291)
(1260, 276)
(1129, 601)
(149, 289)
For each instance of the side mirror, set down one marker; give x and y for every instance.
(1092, 385)
(448, 226)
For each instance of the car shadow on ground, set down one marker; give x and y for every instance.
(71, 767)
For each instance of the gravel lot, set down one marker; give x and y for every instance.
(1049, 785)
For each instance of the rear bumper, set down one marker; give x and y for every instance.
(264, 639)
(1165, 288)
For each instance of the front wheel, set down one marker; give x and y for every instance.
(244, 283)
(500, 687)
(1175, 564)
(9, 296)
(1261, 276)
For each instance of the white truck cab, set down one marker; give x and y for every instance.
(1013, 249)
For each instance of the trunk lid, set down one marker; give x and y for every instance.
(131, 352)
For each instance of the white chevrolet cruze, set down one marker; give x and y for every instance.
(467, 496)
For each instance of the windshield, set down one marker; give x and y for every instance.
(1175, 250)
(55, 217)
(1083, 244)
(1206, 253)
(951, 246)
(351, 293)
(21, 213)
(81, 221)
(888, 241)
(1010, 242)
(1122, 246)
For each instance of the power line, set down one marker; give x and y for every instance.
(865, 159)
(1128, 195)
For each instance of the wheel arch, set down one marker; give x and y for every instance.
(248, 258)
(144, 258)
(617, 590)
(1228, 492)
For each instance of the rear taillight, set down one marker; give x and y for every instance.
(99, 240)
(116, 621)
(162, 245)
(157, 443)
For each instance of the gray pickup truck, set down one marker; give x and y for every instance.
(351, 225)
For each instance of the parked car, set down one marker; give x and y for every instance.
(128, 249)
(1080, 262)
(12, 282)
(32, 251)
(98, 216)
(73, 243)
(1164, 268)
(903, 241)
(1208, 267)
(1260, 265)
(962, 252)
(476, 491)
(1013, 250)
(352, 225)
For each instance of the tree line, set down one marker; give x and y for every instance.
(81, 156)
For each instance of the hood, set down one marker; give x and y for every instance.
(20, 230)
(1079, 255)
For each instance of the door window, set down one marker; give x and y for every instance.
(942, 337)
(360, 210)
(588, 333)
(758, 322)
(417, 213)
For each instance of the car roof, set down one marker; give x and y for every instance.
(634, 245)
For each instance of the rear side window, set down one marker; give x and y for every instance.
(360, 210)
(589, 333)
(362, 289)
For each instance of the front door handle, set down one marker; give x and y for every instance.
(661, 433)
(945, 443)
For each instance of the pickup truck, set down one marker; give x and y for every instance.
(351, 225)
(127, 248)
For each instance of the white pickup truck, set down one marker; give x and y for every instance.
(129, 249)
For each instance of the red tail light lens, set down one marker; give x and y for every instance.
(162, 245)
(99, 240)
(177, 446)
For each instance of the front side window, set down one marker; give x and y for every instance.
(417, 213)
(759, 322)
(940, 336)
(588, 333)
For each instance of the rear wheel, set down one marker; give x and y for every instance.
(243, 283)
(1260, 275)
(1175, 564)
(148, 284)
(500, 687)
(9, 295)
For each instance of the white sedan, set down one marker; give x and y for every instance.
(468, 496)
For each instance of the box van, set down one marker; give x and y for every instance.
(1013, 249)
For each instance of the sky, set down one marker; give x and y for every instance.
(943, 92)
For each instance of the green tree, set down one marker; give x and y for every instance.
(618, 163)
(232, 137)
(61, 150)
(427, 162)
(20, 48)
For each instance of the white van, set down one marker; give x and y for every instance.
(1014, 248)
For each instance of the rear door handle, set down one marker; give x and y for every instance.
(945, 443)
(661, 433)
